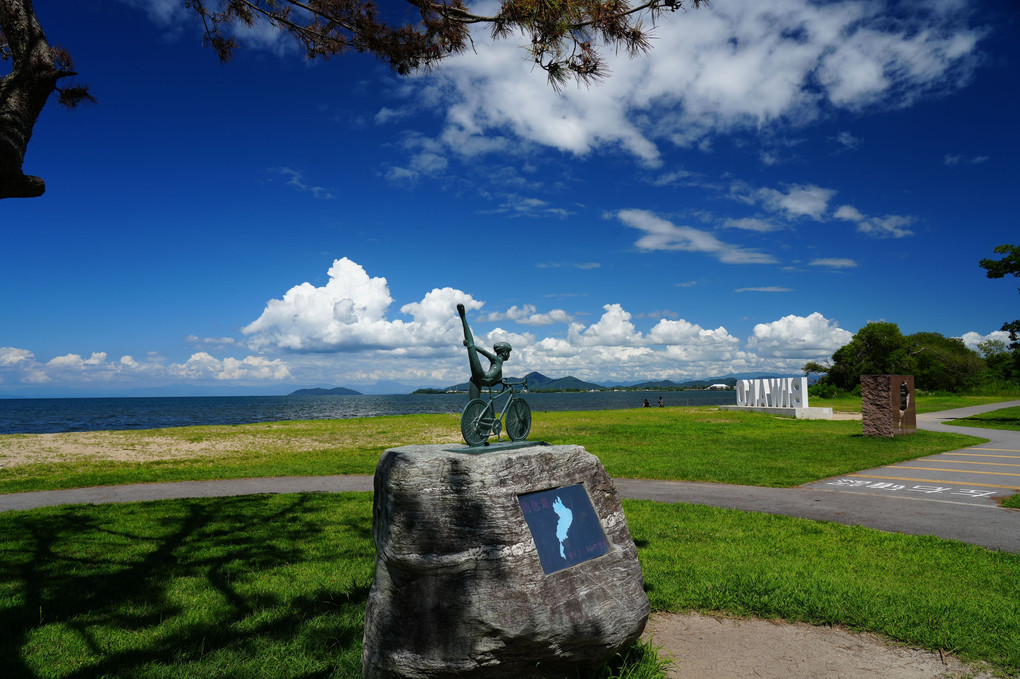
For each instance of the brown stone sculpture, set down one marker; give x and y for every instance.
(887, 405)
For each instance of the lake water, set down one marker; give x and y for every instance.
(49, 415)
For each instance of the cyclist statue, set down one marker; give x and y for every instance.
(483, 417)
(479, 377)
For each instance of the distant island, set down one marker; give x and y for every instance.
(335, 391)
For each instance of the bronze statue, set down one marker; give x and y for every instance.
(480, 418)
(479, 377)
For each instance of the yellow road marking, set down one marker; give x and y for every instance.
(997, 450)
(960, 471)
(994, 464)
(954, 483)
(1007, 457)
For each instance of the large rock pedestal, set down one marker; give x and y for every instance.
(887, 405)
(460, 589)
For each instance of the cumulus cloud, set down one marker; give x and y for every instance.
(798, 338)
(736, 65)
(661, 234)
(349, 312)
(973, 339)
(11, 357)
(21, 365)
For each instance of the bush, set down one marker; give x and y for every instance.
(823, 390)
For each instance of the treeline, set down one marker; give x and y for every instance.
(937, 362)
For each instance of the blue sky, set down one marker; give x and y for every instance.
(769, 179)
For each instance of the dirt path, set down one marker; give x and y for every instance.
(706, 647)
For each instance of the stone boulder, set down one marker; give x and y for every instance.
(460, 589)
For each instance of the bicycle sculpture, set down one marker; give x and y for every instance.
(479, 420)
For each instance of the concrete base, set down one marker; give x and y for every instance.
(798, 413)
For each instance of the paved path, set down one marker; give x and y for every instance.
(952, 514)
(976, 475)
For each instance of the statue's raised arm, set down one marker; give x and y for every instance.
(480, 377)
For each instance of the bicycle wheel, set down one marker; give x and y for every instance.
(476, 421)
(518, 419)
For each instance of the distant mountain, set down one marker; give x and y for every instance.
(539, 382)
(335, 391)
(563, 384)
(661, 384)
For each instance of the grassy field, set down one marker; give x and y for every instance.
(925, 403)
(275, 586)
(1007, 418)
(697, 444)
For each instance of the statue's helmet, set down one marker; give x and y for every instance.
(502, 347)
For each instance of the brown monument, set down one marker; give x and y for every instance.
(887, 405)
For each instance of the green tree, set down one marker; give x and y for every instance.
(876, 349)
(1002, 364)
(1000, 268)
(943, 363)
(564, 37)
(936, 362)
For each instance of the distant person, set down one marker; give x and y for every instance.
(647, 404)
(661, 402)
(480, 377)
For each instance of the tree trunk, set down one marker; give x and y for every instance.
(23, 94)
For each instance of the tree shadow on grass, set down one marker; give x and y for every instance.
(255, 586)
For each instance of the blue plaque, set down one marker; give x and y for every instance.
(566, 529)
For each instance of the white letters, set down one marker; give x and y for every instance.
(743, 387)
(782, 392)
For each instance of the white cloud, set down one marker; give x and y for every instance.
(834, 262)
(76, 362)
(848, 141)
(521, 206)
(811, 337)
(11, 357)
(798, 201)
(611, 348)
(349, 313)
(751, 224)
(661, 234)
(973, 339)
(528, 315)
(20, 365)
(890, 226)
(575, 265)
(848, 213)
(297, 180)
(952, 159)
(768, 288)
(386, 115)
(735, 65)
(204, 366)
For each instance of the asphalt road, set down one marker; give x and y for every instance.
(950, 495)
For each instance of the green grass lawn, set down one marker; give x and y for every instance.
(1007, 418)
(925, 403)
(275, 586)
(704, 444)
(697, 444)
